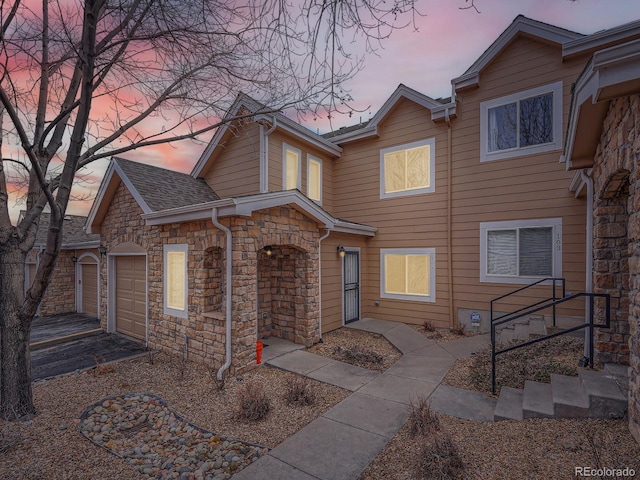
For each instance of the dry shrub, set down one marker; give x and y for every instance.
(534, 362)
(422, 420)
(359, 356)
(459, 329)
(101, 367)
(438, 458)
(299, 391)
(253, 403)
(429, 326)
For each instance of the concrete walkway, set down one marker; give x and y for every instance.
(340, 444)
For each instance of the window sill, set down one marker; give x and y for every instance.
(214, 315)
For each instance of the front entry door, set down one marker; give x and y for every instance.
(351, 286)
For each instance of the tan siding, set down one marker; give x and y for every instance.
(331, 307)
(528, 187)
(236, 169)
(415, 221)
(276, 140)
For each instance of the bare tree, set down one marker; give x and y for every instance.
(88, 79)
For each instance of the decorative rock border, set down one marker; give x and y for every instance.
(142, 430)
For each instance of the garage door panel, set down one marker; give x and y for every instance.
(131, 296)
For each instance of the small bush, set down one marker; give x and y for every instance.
(253, 403)
(439, 458)
(358, 355)
(299, 391)
(101, 368)
(422, 420)
(459, 329)
(428, 326)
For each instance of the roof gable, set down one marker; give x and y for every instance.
(153, 188)
(520, 26)
(438, 111)
(260, 113)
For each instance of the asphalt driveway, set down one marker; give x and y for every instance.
(66, 343)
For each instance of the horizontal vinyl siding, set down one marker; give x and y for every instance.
(520, 188)
(413, 221)
(332, 308)
(236, 170)
(276, 140)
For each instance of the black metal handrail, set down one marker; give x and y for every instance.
(590, 325)
(553, 298)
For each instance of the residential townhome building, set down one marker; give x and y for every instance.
(424, 213)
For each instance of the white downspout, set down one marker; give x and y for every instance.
(320, 280)
(588, 181)
(264, 155)
(229, 248)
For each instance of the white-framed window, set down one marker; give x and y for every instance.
(524, 123)
(522, 251)
(291, 167)
(314, 179)
(408, 274)
(408, 169)
(175, 280)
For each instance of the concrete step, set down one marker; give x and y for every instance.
(569, 397)
(521, 331)
(509, 406)
(537, 326)
(606, 400)
(537, 401)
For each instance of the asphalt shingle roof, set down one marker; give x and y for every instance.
(72, 231)
(163, 189)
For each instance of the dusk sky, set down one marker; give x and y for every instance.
(447, 41)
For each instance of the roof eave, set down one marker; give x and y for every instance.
(598, 39)
(611, 73)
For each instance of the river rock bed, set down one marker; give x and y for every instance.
(160, 444)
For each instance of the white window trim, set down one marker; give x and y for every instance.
(167, 310)
(554, 223)
(431, 252)
(285, 147)
(432, 169)
(486, 156)
(311, 158)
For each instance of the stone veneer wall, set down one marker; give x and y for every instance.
(617, 176)
(205, 325)
(60, 296)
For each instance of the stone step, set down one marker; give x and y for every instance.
(606, 400)
(569, 397)
(521, 331)
(537, 401)
(509, 406)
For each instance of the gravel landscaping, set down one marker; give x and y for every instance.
(167, 418)
(50, 446)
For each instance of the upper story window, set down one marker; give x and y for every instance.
(314, 179)
(175, 280)
(521, 124)
(408, 274)
(520, 251)
(407, 169)
(291, 171)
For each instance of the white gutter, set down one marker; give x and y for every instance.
(264, 155)
(320, 280)
(229, 248)
(588, 181)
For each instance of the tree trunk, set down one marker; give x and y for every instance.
(16, 399)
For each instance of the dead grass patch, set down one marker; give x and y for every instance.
(535, 362)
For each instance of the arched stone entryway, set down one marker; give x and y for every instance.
(611, 267)
(284, 303)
